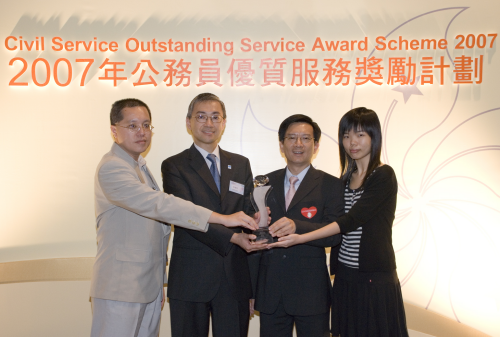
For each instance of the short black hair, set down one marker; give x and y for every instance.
(298, 119)
(116, 115)
(206, 96)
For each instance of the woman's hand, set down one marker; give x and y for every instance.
(295, 239)
(287, 241)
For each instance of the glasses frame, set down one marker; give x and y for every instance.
(206, 117)
(295, 138)
(136, 130)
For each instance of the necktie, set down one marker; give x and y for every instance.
(291, 191)
(213, 170)
(149, 178)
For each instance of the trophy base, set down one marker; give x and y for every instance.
(262, 235)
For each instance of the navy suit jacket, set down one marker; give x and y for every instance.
(199, 262)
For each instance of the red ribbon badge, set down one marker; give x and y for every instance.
(309, 212)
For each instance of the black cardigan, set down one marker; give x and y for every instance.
(374, 211)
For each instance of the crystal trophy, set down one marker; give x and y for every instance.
(259, 201)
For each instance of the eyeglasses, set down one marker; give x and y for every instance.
(204, 118)
(135, 128)
(294, 138)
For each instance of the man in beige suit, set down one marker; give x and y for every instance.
(132, 237)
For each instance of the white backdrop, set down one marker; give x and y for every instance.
(441, 139)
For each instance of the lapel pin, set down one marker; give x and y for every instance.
(228, 167)
(309, 212)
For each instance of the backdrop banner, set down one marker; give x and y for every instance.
(428, 69)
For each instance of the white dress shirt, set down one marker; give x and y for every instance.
(205, 153)
(289, 174)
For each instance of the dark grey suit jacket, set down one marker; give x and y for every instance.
(299, 274)
(199, 262)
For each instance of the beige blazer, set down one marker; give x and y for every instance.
(131, 236)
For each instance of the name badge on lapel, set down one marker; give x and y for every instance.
(236, 187)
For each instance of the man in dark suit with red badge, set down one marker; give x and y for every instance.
(292, 285)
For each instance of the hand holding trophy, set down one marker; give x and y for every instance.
(259, 201)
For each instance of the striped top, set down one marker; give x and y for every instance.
(349, 249)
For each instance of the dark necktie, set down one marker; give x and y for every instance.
(213, 170)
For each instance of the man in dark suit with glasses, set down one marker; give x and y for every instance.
(293, 284)
(209, 274)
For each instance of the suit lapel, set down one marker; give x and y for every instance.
(166, 229)
(306, 186)
(199, 164)
(279, 188)
(139, 174)
(225, 173)
(120, 153)
(153, 180)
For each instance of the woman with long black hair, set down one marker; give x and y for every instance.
(367, 297)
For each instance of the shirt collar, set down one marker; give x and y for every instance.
(205, 153)
(301, 175)
(117, 150)
(141, 161)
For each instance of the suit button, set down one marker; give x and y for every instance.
(284, 256)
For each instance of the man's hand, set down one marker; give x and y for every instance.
(245, 241)
(287, 241)
(256, 216)
(252, 307)
(282, 227)
(239, 219)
